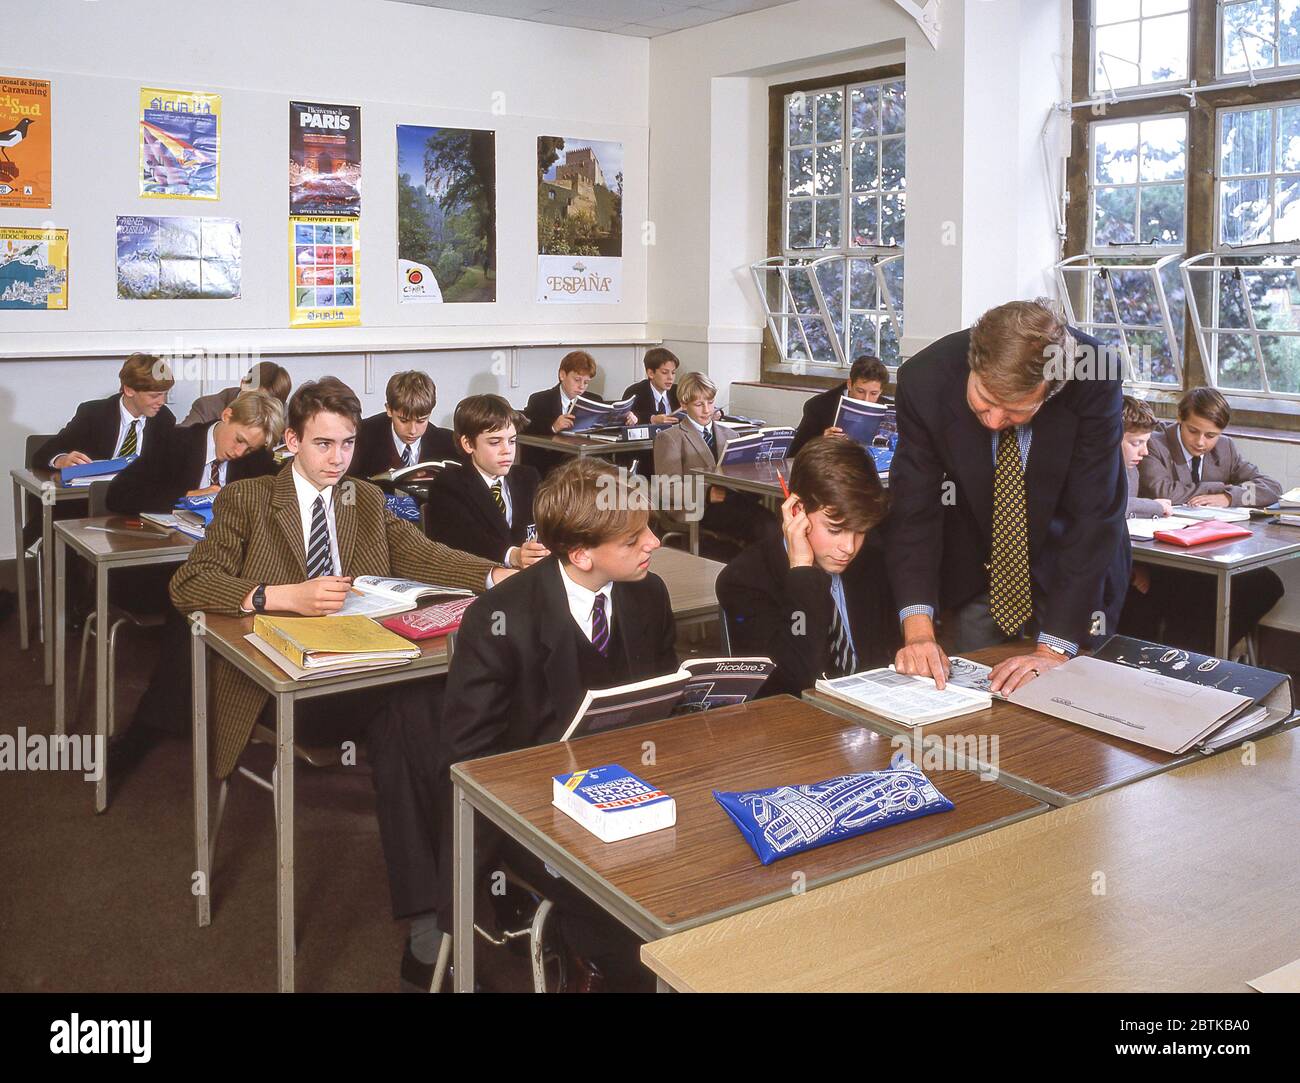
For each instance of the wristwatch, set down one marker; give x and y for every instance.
(1057, 650)
(259, 599)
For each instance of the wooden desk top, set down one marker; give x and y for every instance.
(35, 480)
(574, 444)
(1051, 760)
(226, 637)
(755, 477)
(691, 581)
(106, 538)
(703, 868)
(1201, 875)
(1268, 542)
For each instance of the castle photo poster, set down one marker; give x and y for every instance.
(579, 221)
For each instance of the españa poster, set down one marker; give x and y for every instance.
(324, 159)
(324, 260)
(33, 268)
(180, 144)
(168, 259)
(25, 136)
(579, 221)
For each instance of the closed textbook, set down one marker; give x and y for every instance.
(612, 803)
(316, 642)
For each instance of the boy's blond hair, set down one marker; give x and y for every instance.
(259, 410)
(695, 385)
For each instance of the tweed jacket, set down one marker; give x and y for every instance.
(681, 450)
(256, 537)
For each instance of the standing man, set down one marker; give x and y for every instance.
(1008, 493)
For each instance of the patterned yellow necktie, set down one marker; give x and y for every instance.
(1010, 600)
(129, 442)
(498, 498)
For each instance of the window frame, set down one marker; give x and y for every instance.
(1273, 73)
(773, 369)
(1170, 85)
(1136, 248)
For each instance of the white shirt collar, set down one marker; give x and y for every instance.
(583, 601)
(1187, 455)
(307, 492)
(565, 402)
(402, 445)
(126, 414)
(488, 479)
(698, 427)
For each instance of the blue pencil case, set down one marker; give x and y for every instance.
(788, 820)
(403, 506)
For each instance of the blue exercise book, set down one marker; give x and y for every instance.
(788, 820)
(93, 471)
(198, 504)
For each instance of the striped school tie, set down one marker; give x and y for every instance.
(130, 441)
(711, 440)
(1010, 598)
(406, 455)
(600, 626)
(498, 498)
(214, 475)
(842, 658)
(318, 550)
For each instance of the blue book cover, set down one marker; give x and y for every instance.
(588, 414)
(612, 803)
(787, 820)
(100, 468)
(403, 506)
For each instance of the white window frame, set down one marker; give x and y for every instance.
(1273, 108)
(1271, 72)
(1094, 90)
(1136, 248)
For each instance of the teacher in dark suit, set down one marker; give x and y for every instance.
(1008, 494)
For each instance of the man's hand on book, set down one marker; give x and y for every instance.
(564, 421)
(1012, 673)
(70, 458)
(921, 655)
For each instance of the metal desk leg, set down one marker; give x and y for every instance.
(1222, 613)
(101, 680)
(202, 857)
(463, 891)
(20, 562)
(695, 537)
(60, 635)
(47, 588)
(284, 912)
(662, 986)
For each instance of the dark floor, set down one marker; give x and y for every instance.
(103, 903)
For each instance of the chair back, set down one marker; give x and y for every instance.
(97, 491)
(31, 444)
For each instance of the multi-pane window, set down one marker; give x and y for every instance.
(1138, 43)
(1260, 36)
(1138, 185)
(1258, 178)
(845, 193)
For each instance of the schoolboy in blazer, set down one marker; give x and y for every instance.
(264, 376)
(1192, 462)
(867, 379)
(655, 397)
(464, 510)
(403, 431)
(815, 598)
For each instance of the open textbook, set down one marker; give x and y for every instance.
(425, 471)
(382, 596)
(590, 414)
(699, 685)
(874, 425)
(1220, 515)
(911, 700)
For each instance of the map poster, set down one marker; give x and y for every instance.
(168, 259)
(33, 268)
(26, 176)
(324, 265)
(579, 221)
(180, 144)
(446, 215)
(324, 159)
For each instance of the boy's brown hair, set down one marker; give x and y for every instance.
(1138, 416)
(328, 395)
(579, 361)
(485, 413)
(868, 367)
(268, 376)
(658, 357)
(145, 372)
(837, 475)
(411, 393)
(1208, 403)
(584, 503)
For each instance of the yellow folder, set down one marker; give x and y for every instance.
(316, 641)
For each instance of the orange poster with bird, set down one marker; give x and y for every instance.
(26, 176)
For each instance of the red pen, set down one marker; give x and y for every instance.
(784, 488)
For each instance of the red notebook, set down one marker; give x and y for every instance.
(431, 621)
(1201, 533)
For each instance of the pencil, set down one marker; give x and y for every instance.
(784, 487)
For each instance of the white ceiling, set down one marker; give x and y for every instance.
(639, 18)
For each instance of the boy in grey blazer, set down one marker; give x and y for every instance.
(1192, 462)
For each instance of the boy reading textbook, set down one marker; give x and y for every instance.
(402, 436)
(867, 379)
(293, 543)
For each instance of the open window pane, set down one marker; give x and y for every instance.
(1248, 34)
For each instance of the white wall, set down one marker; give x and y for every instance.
(402, 64)
(979, 221)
